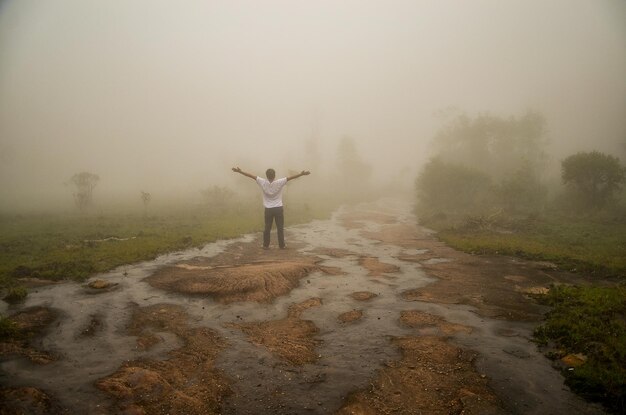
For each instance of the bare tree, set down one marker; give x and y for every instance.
(84, 183)
(145, 198)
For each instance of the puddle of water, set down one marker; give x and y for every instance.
(85, 359)
(411, 252)
(433, 261)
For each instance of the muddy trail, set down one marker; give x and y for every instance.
(365, 313)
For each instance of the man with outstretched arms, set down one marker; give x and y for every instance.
(272, 201)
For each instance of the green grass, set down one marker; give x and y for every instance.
(65, 247)
(591, 321)
(581, 245)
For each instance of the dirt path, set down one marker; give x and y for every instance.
(366, 313)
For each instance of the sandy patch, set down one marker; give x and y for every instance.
(186, 383)
(26, 400)
(418, 319)
(101, 284)
(31, 323)
(260, 282)
(291, 339)
(433, 377)
(377, 268)
(242, 273)
(350, 316)
(363, 295)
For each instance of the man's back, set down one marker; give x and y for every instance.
(272, 191)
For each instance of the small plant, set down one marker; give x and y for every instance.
(16, 294)
(8, 328)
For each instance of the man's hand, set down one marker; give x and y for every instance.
(238, 170)
(302, 173)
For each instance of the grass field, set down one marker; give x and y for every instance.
(581, 245)
(76, 246)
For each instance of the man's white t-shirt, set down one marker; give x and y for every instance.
(272, 191)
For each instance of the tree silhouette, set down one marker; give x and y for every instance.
(84, 183)
(595, 176)
(145, 198)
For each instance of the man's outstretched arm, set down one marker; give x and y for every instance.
(238, 170)
(302, 173)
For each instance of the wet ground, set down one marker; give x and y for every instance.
(366, 313)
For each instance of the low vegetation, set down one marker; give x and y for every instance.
(8, 328)
(75, 246)
(15, 294)
(595, 247)
(589, 322)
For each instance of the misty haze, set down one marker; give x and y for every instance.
(286, 207)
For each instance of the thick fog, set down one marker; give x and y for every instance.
(166, 96)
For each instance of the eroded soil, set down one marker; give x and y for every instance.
(366, 313)
(432, 377)
(186, 382)
(291, 339)
(31, 322)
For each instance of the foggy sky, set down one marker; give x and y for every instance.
(166, 96)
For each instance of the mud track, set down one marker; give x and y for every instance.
(366, 313)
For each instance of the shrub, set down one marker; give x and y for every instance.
(522, 192)
(446, 188)
(594, 177)
(16, 294)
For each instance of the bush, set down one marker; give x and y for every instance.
(446, 188)
(8, 328)
(16, 294)
(594, 178)
(522, 192)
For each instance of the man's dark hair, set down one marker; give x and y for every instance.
(270, 173)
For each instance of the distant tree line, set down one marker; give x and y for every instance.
(488, 164)
(349, 177)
